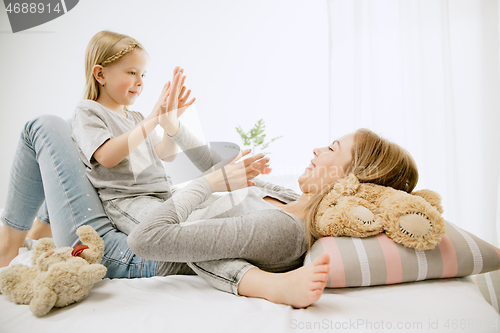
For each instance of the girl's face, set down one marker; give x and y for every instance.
(327, 166)
(124, 77)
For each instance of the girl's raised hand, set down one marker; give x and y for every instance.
(175, 104)
(236, 175)
(168, 112)
(161, 100)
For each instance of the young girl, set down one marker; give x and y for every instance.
(114, 143)
(48, 167)
(119, 147)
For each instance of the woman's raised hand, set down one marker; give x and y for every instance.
(183, 104)
(236, 175)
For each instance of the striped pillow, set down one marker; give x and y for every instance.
(489, 285)
(378, 260)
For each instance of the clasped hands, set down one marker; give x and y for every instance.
(171, 104)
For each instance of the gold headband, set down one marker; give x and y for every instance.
(119, 54)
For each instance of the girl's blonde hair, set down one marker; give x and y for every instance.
(104, 49)
(374, 160)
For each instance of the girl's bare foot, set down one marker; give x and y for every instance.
(298, 288)
(39, 230)
(10, 242)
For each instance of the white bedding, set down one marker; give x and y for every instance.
(189, 304)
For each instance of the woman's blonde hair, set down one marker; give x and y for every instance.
(104, 49)
(374, 160)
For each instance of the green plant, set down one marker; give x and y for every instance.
(256, 136)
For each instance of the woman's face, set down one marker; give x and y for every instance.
(328, 165)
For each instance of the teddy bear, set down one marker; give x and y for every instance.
(58, 276)
(359, 209)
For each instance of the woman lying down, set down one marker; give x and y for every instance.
(255, 248)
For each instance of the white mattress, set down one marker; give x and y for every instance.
(189, 304)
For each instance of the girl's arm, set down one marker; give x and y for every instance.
(114, 150)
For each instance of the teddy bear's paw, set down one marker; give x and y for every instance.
(417, 230)
(363, 214)
(43, 301)
(415, 224)
(89, 237)
(362, 222)
(91, 274)
(16, 283)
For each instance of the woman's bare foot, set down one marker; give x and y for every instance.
(298, 288)
(303, 286)
(39, 230)
(10, 242)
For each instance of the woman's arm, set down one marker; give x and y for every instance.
(197, 151)
(263, 237)
(248, 234)
(276, 188)
(167, 149)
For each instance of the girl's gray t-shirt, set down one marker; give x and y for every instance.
(140, 173)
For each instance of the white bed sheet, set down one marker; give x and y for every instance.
(189, 304)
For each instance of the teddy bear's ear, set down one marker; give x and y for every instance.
(431, 197)
(44, 245)
(347, 185)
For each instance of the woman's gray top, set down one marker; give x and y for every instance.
(195, 225)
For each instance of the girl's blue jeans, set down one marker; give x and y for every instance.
(48, 177)
(47, 168)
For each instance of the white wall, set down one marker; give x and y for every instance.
(245, 60)
(425, 74)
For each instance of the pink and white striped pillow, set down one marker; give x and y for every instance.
(378, 260)
(489, 286)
